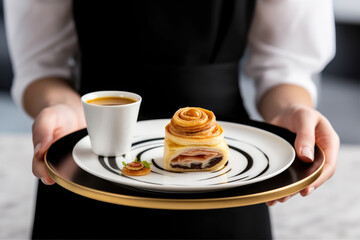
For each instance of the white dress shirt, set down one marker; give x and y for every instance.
(289, 42)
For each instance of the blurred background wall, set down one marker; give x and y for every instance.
(339, 100)
(5, 65)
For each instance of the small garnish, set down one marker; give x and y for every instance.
(146, 164)
(136, 168)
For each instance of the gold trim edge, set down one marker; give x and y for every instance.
(185, 204)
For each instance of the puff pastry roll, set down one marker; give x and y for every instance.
(194, 141)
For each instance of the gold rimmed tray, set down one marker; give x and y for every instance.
(63, 169)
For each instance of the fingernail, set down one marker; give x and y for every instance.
(308, 153)
(286, 199)
(44, 181)
(37, 148)
(310, 191)
(272, 203)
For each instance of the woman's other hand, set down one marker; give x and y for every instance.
(291, 107)
(311, 128)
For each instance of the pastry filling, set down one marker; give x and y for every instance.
(197, 159)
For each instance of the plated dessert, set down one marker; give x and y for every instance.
(254, 155)
(194, 142)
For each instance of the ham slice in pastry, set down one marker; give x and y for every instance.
(194, 142)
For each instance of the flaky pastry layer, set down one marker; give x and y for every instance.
(194, 141)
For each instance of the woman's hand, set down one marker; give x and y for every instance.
(57, 110)
(51, 124)
(311, 128)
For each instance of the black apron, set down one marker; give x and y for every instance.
(174, 54)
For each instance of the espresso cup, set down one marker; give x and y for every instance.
(111, 119)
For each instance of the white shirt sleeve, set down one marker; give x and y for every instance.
(41, 39)
(289, 42)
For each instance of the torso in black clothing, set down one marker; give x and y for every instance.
(174, 54)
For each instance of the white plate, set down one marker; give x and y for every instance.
(255, 155)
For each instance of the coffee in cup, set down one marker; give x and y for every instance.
(111, 101)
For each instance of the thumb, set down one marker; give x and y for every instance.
(43, 130)
(305, 139)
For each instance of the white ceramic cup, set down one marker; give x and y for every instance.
(111, 128)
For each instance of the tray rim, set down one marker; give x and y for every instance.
(185, 204)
